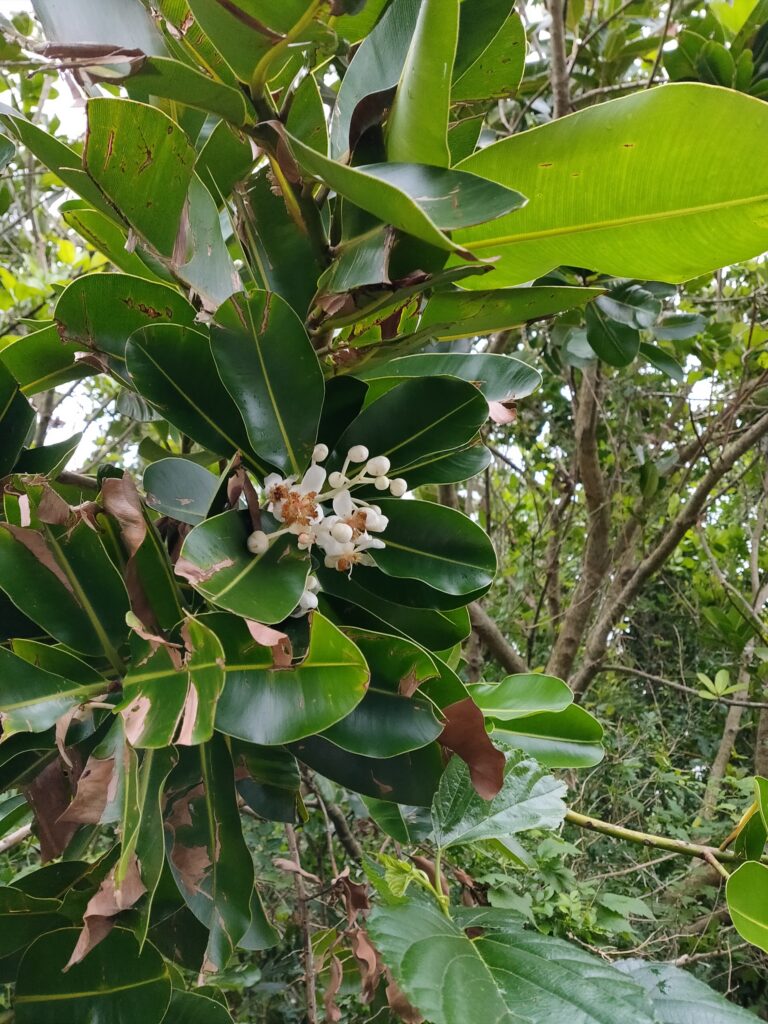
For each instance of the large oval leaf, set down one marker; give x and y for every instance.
(270, 369)
(216, 561)
(129, 142)
(180, 489)
(637, 187)
(437, 545)
(269, 705)
(491, 53)
(747, 894)
(386, 724)
(115, 984)
(410, 778)
(680, 998)
(16, 416)
(498, 377)
(172, 367)
(102, 311)
(520, 695)
(462, 314)
(415, 420)
(559, 739)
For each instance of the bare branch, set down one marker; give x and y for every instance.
(494, 640)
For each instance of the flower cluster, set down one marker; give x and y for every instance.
(346, 535)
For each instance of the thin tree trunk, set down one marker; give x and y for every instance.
(721, 761)
(761, 744)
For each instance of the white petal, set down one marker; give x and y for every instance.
(343, 505)
(312, 480)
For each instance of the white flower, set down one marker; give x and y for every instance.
(258, 542)
(358, 453)
(378, 466)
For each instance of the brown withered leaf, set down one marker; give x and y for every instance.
(336, 976)
(94, 789)
(36, 543)
(104, 906)
(280, 643)
(502, 412)
(48, 795)
(121, 500)
(368, 961)
(354, 894)
(464, 734)
(399, 1004)
(52, 508)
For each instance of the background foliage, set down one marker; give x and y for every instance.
(242, 259)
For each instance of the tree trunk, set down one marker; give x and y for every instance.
(761, 744)
(722, 758)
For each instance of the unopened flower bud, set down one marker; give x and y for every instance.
(312, 584)
(336, 479)
(258, 542)
(305, 540)
(378, 466)
(382, 483)
(342, 532)
(358, 453)
(398, 487)
(320, 453)
(308, 601)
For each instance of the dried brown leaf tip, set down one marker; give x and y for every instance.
(95, 788)
(280, 643)
(464, 733)
(110, 900)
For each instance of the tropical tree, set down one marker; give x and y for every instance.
(324, 227)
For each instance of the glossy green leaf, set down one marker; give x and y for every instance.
(396, 665)
(110, 238)
(48, 459)
(14, 810)
(64, 580)
(23, 918)
(16, 417)
(491, 52)
(270, 705)
(217, 562)
(461, 314)
(169, 701)
(201, 258)
(437, 545)
(373, 71)
(180, 489)
(101, 311)
(273, 783)
(172, 367)
(420, 200)
(224, 161)
(41, 360)
(452, 468)
(306, 118)
(244, 30)
(678, 997)
(115, 984)
(386, 724)
(7, 151)
(415, 420)
(435, 630)
(160, 76)
(417, 126)
(410, 778)
(208, 854)
(128, 142)
(520, 695)
(662, 361)
(530, 798)
(503, 976)
(270, 369)
(500, 378)
(32, 699)
(59, 158)
(747, 895)
(615, 343)
(679, 326)
(607, 191)
(408, 825)
(561, 739)
(283, 255)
